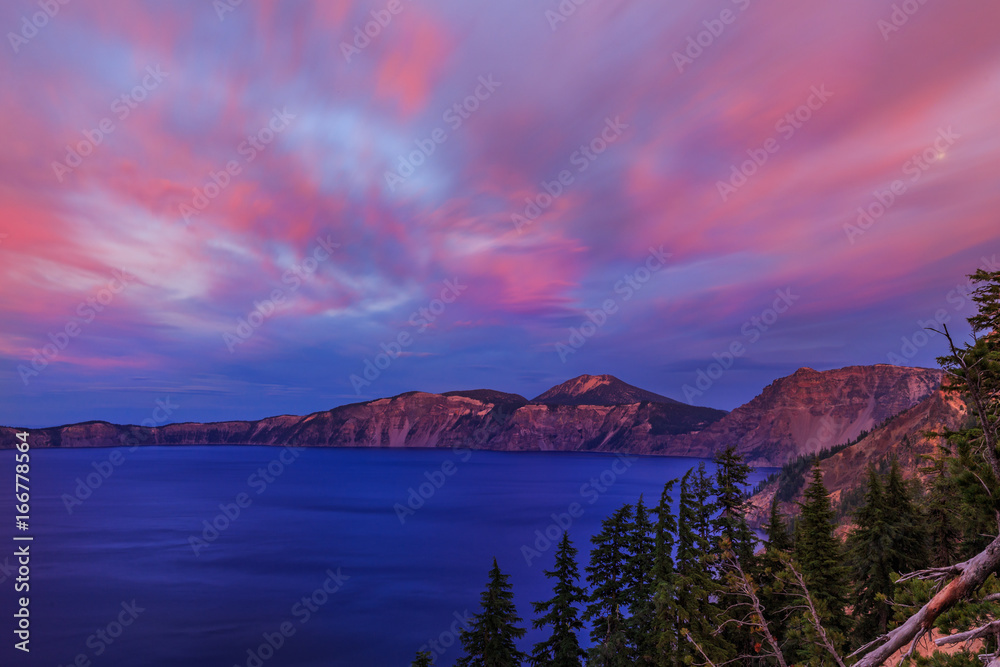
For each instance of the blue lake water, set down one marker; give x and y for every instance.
(327, 518)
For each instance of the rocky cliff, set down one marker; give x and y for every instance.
(809, 411)
(802, 413)
(477, 418)
(907, 436)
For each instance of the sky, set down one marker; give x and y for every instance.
(257, 208)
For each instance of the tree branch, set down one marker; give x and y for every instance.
(745, 587)
(976, 633)
(708, 661)
(973, 574)
(827, 644)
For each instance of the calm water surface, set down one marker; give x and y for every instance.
(402, 583)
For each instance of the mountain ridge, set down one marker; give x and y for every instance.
(784, 421)
(598, 390)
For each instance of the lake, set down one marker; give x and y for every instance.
(256, 556)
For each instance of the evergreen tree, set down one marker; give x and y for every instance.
(940, 510)
(770, 568)
(705, 508)
(908, 532)
(562, 648)
(973, 370)
(870, 545)
(423, 659)
(819, 553)
(607, 575)
(977, 491)
(730, 529)
(778, 537)
(731, 475)
(639, 587)
(489, 639)
(665, 622)
(697, 587)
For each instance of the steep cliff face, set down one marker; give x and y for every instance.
(802, 413)
(809, 411)
(905, 436)
(477, 418)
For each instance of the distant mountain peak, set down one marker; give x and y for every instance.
(598, 390)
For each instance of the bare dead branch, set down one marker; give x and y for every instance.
(933, 573)
(814, 616)
(968, 636)
(746, 588)
(691, 639)
(973, 573)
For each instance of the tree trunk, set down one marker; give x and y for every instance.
(974, 572)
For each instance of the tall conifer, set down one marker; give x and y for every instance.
(489, 639)
(607, 575)
(561, 613)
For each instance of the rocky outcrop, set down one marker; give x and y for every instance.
(907, 436)
(809, 411)
(598, 390)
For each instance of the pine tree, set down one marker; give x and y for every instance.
(665, 622)
(731, 530)
(562, 648)
(705, 508)
(607, 575)
(770, 568)
(870, 545)
(731, 475)
(940, 510)
(697, 584)
(639, 587)
(819, 553)
(909, 535)
(778, 537)
(423, 659)
(489, 639)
